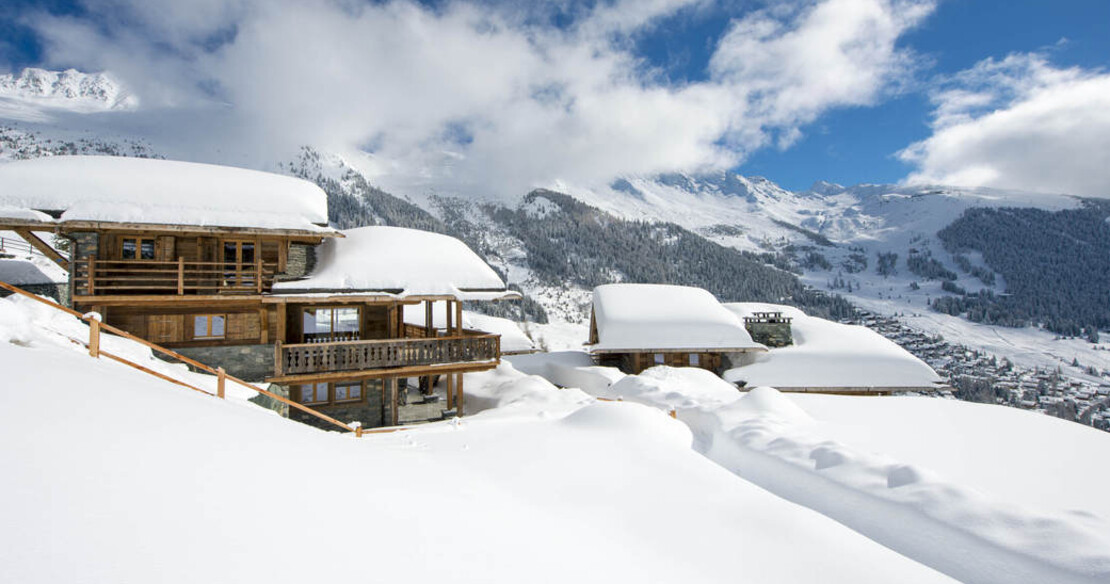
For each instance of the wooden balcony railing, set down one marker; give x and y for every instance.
(311, 358)
(93, 277)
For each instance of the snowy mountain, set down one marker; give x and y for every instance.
(34, 93)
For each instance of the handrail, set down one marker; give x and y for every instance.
(171, 276)
(22, 247)
(95, 327)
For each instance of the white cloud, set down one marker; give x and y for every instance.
(484, 98)
(1019, 123)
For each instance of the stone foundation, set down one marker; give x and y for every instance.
(247, 362)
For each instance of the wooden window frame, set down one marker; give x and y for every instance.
(331, 393)
(139, 239)
(209, 336)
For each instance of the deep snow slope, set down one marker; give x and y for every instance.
(113, 476)
(926, 477)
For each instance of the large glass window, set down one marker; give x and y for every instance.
(326, 324)
(239, 265)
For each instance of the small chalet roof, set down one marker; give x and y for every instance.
(828, 354)
(114, 189)
(658, 317)
(400, 262)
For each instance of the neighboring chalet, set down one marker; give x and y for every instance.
(238, 268)
(637, 326)
(814, 355)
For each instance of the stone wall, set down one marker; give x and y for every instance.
(771, 334)
(247, 362)
(300, 263)
(59, 291)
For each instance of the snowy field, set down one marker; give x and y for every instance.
(114, 476)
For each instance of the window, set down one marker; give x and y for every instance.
(239, 263)
(324, 325)
(209, 326)
(314, 393)
(695, 359)
(659, 359)
(348, 391)
(330, 394)
(136, 248)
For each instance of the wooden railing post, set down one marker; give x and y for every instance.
(94, 338)
(90, 285)
(258, 274)
(221, 380)
(279, 362)
(180, 276)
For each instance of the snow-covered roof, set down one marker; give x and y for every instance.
(513, 339)
(160, 192)
(827, 354)
(640, 317)
(402, 262)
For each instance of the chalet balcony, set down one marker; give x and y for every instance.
(92, 277)
(411, 353)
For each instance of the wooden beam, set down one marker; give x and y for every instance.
(392, 381)
(449, 381)
(458, 317)
(42, 246)
(429, 329)
(263, 326)
(414, 371)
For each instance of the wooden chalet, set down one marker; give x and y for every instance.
(637, 326)
(238, 269)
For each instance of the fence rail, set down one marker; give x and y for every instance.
(92, 276)
(376, 354)
(16, 246)
(96, 329)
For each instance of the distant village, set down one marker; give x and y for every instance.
(978, 376)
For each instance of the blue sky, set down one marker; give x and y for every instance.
(628, 87)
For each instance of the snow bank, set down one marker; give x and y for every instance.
(674, 388)
(121, 477)
(143, 190)
(569, 369)
(663, 317)
(406, 262)
(826, 354)
(27, 323)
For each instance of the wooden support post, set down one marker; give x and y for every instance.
(458, 318)
(90, 285)
(279, 363)
(258, 270)
(181, 276)
(94, 338)
(392, 381)
(450, 316)
(221, 381)
(282, 309)
(459, 395)
(450, 381)
(358, 431)
(429, 327)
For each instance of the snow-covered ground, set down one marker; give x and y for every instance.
(114, 476)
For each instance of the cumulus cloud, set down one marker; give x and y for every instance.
(1019, 123)
(485, 98)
